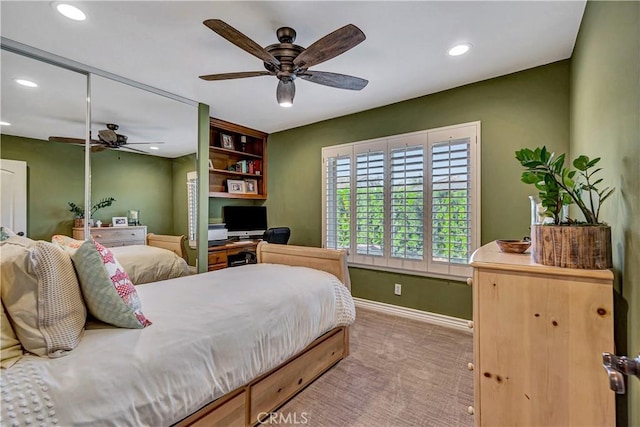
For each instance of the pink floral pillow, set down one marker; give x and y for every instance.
(109, 294)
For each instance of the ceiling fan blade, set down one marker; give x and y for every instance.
(243, 42)
(330, 46)
(131, 148)
(341, 81)
(70, 140)
(97, 148)
(241, 75)
(154, 143)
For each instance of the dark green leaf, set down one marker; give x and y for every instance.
(581, 162)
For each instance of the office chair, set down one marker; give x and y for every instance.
(278, 235)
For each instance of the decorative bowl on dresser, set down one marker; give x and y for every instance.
(513, 246)
(115, 236)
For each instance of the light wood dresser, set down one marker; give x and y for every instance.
(115, 236)
(539, 335)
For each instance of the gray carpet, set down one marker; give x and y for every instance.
(400, 372)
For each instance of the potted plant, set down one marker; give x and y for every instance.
(78, 211)
(567, 242)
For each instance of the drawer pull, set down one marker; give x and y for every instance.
(470, 410)
(470, 366)
(469, 281)
(470, 324)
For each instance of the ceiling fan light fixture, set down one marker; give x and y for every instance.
(70, 11)
(459, 49)
(285, 92)
(26, 83)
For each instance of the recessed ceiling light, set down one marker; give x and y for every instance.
(27, 83)
(5, 124)
(459, 49)
(70, 12)
(154, 148)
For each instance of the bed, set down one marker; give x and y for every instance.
(162, 258)
(230, 346)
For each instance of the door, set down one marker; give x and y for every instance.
(13, 195)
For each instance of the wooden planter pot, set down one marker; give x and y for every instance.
(587, 247)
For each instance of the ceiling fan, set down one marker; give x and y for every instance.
(107, 138)
(288, 61)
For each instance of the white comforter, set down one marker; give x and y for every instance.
(211, 334)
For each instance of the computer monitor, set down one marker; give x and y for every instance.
(245, 221)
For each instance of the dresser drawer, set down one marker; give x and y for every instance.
(217, 258)
(113, 235)
(110, 244)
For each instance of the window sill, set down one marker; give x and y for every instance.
(412, 272)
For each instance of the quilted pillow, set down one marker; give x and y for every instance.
(108, 292)
(41, 294)
(11, 350)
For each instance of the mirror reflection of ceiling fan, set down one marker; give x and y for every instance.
(288, 61)
(107, 138)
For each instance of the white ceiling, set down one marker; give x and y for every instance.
(165, 45)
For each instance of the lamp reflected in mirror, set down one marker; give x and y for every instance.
(133, 217)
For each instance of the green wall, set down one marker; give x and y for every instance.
(605, 121)
(524, 109)
(55, 176)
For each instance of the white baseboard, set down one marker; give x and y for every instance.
(411, 313)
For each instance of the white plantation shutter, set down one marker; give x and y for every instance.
(408, 202)
(337, 205)
(452, 200)
(407, 197)
(192, 206)
(370, 213)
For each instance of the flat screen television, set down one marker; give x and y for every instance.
(245, 221)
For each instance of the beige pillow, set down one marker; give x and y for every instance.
(11, 350)
(41, 294)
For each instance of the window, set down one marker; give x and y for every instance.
(407, 202)
(192, 205)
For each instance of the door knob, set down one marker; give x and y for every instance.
(616, 367)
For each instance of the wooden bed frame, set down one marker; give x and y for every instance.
(173, 243)
(253, 402)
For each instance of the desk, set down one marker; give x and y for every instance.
(219, 255)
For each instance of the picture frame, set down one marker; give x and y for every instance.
(226, 141)
(210, 165)
(251, 186)
(236, 186)
(119, 221)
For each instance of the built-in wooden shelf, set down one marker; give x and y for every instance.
(234, 152)
(224, 163)
(233, 173)
(237, 195)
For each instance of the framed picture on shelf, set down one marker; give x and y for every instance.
(236, 186)
(226, 141)
(119, 221)
(251, 186)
